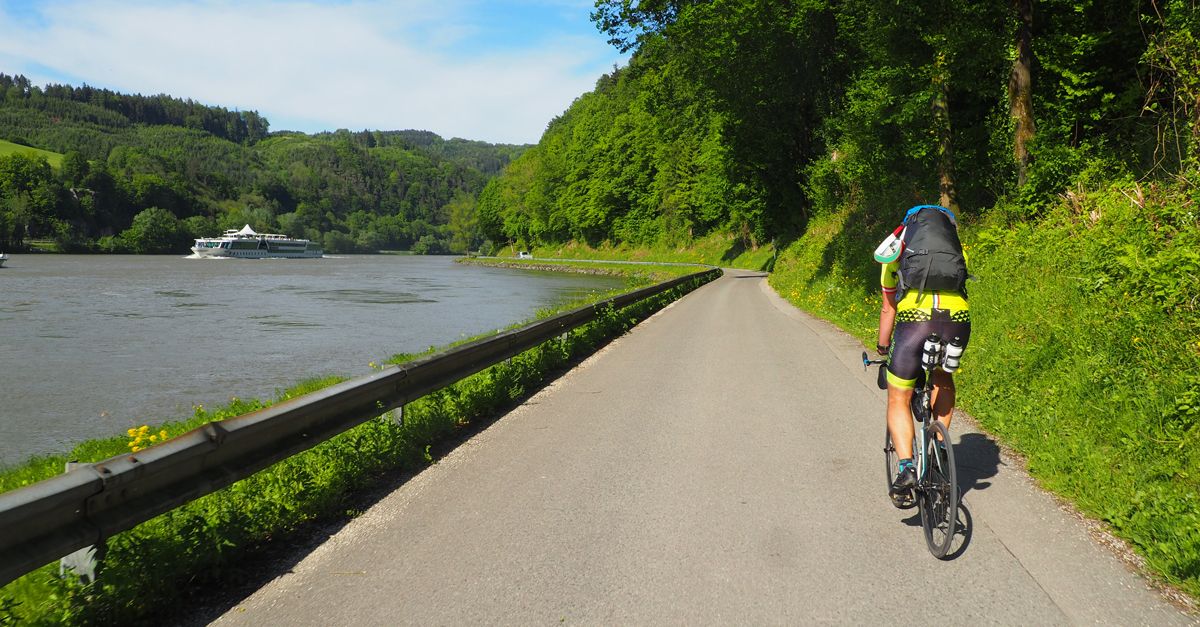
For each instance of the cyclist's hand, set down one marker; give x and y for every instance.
(881, 349)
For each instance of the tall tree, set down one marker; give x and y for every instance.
(1020, 89)
(944, 134)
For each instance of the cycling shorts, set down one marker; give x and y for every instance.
(908, 338)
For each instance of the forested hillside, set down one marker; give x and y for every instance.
(148, 173)
(750, 116)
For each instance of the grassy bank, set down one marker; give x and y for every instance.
(1084, 355)
(717, 249)
(160, 564)
(634, 275)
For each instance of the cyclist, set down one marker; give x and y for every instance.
(903, 328)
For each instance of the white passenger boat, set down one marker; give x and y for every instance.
(246, 244)
(3, 258)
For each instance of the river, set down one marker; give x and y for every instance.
(93, 345)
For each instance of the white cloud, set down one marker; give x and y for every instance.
(314, 67)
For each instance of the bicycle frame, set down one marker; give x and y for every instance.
(922, 411)
(936, 489)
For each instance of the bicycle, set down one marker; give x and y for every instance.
(936, 492)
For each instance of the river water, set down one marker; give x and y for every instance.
(93, 345)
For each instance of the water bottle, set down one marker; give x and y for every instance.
(889, 250)
(931, 352)
(954, 351)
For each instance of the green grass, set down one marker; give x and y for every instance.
(1084, 354)
(8, 148)
(151, 569)
(718, 250)
(635, 275)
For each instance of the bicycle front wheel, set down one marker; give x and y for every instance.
(938, 491)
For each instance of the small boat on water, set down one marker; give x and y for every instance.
(247, 244)
(3, 258)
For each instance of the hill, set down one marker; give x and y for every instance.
(116, 156)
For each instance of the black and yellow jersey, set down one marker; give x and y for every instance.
(916, 307)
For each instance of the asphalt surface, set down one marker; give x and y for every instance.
(719, 464)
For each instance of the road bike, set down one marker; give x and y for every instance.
(936, 492)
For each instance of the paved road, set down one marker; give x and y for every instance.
(720, 464)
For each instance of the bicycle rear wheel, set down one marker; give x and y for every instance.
(938, 491)
(891, 460)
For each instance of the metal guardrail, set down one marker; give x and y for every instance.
(47, 520)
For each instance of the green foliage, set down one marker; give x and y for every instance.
(717, 249)
(150, 568)
(155, 231)
(751, 117)
(1173, 60)
(638, 160)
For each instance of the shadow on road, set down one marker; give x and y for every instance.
(962, 535)
(977, 458)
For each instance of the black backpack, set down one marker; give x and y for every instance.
(933, 256)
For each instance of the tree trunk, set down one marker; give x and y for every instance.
(941, 122)
(1020, 89)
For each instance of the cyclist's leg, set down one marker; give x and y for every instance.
(900, 421)
(942, 395)
(904, 366)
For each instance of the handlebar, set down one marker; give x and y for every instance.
(867, 361)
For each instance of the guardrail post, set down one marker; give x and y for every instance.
(86, 562)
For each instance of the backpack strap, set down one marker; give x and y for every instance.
(928, 265)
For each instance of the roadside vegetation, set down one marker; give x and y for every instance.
(152, 568)
(716, 249)
(635, 274)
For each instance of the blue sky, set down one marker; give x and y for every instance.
(495, 71)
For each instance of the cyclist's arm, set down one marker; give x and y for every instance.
(888, 280)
